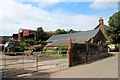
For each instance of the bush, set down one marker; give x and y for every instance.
(62, 48)
(30, 42)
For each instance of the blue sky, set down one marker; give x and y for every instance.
(72, 7)
(76, 8)
(52, 15)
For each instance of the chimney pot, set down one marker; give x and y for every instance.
(101, 22)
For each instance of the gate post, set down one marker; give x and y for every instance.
(69, 52)
(37, 61)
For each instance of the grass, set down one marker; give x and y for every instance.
(49, 52)
(58, 56)
(54, 54)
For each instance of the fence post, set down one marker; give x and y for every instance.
(4, 65)
(87, 51)
(37, 61)
(50, 61)
(23, 61)
(60, 61)
(69, 52)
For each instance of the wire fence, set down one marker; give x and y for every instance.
(15, 63)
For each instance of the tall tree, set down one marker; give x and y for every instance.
(40, 34)
(114, 27)
(47, 36)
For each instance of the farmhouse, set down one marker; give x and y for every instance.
(102, 26)
(27, 34)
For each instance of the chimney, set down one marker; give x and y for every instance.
(101, 22)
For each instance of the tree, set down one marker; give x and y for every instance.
(72, 31)
(114, 27)
(47, 36)
(60, 31)
(40, 34)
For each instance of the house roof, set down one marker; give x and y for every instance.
(29, 30)
(102, 28)
(79, 37)
(21, 29)
(100, 25)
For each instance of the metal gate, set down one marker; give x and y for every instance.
(16, 63)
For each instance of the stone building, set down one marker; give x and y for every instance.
(102, 26)
(97, 35)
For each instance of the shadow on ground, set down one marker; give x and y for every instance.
(92, 61)
(24, 74)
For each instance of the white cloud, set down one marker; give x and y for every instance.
(54, 0)
(42, 3)
(14, 15)
(105, 0)
(103, 4)
(45, 3)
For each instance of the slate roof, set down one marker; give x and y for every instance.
(100, 25)
(79, 37)
(102, 28)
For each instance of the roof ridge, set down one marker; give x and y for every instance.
(78, 32)
(89, 33)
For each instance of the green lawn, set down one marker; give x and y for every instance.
(54, 54)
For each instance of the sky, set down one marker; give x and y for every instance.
(53, 14)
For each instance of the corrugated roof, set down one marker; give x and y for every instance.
(79, 37)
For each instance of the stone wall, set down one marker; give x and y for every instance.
(81, 53)
(78, 53)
